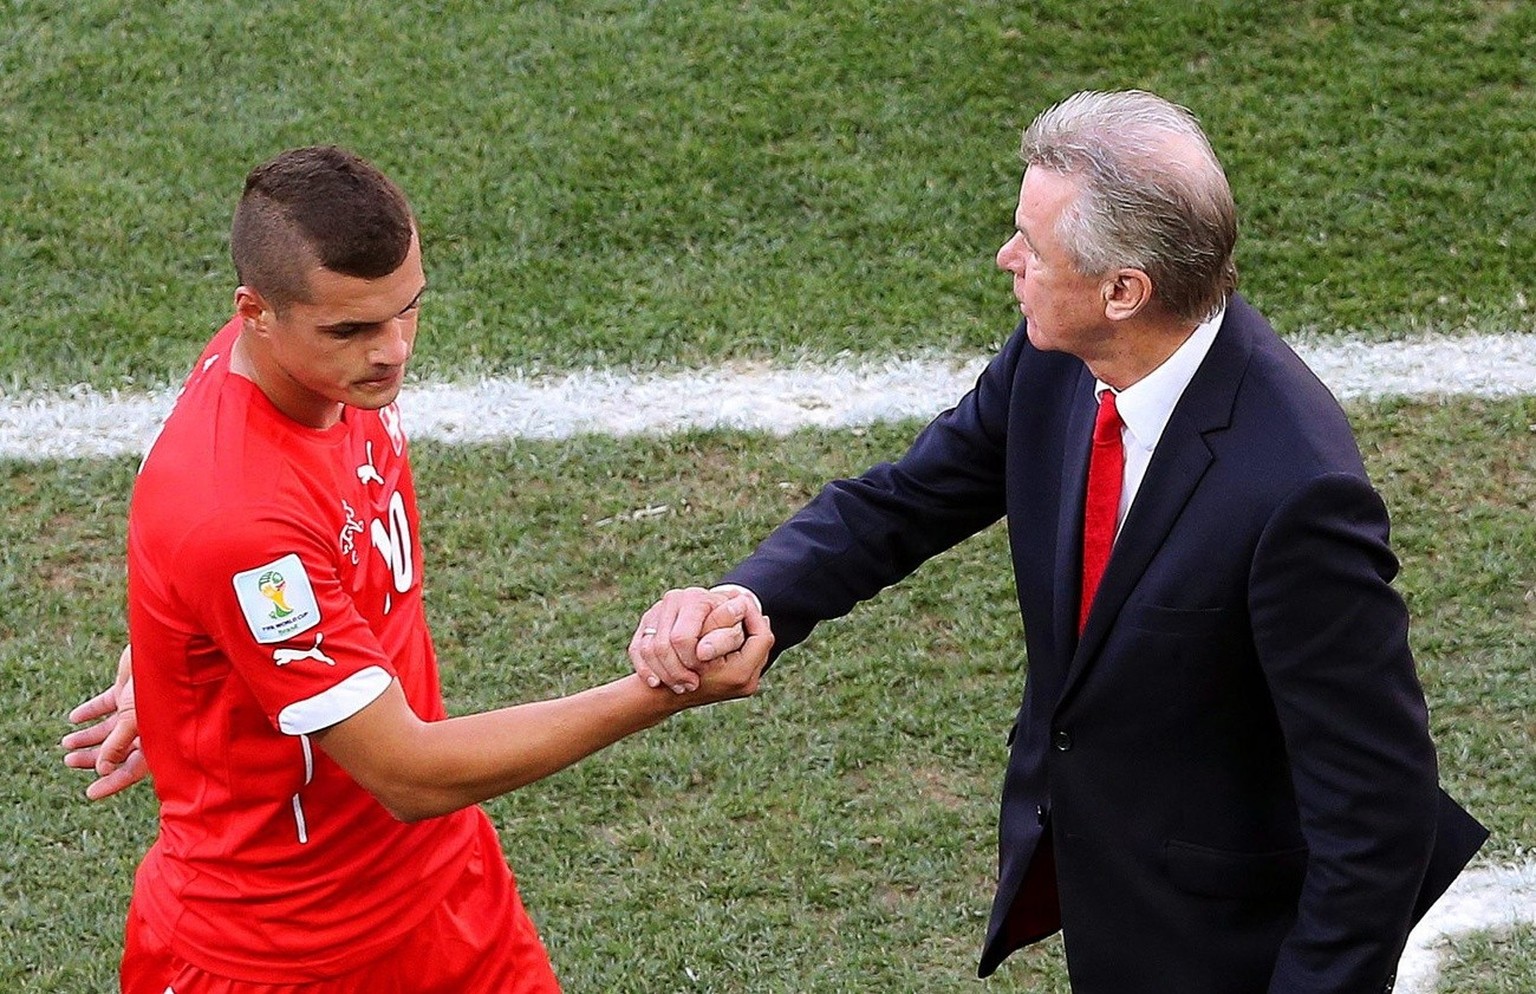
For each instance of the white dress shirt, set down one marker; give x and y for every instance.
(1146, 405)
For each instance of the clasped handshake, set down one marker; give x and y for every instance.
(690, 634)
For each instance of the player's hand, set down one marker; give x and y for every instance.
(686, 628)
(111, 746)
(736, 673)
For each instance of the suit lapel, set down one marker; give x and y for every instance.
(1180, 460)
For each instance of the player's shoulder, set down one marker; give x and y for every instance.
(217, 481)
(214, 447)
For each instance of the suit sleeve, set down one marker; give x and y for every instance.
(1331, 636)
(861, 535)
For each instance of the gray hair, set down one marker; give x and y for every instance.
(1152, 194)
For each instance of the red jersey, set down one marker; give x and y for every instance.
(274, 589)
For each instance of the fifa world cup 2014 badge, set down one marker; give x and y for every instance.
(277, 600)
(271, 585)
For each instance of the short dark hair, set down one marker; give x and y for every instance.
(318, 205)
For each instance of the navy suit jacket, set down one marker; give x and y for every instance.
(1227, 784)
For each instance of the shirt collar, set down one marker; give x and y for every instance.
(1146, 405)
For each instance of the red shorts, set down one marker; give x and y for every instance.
(478, 941)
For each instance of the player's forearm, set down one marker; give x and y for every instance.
(435, 768)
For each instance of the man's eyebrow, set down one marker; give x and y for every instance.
(344, 327)
(347, 327)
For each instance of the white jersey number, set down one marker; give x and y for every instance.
(394, 542)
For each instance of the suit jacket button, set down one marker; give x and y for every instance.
(1041, 813)
(1062, 741)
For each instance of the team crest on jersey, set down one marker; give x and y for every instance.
(390, 417)
(277, 600)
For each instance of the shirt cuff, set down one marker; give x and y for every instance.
(736, 588)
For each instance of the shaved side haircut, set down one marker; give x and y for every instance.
(317, 206)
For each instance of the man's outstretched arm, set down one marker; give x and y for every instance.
(420, 769)
(111, 746)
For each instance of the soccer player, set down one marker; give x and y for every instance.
(319, 827)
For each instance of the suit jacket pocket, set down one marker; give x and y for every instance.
(1174, 620)
(1224, 873)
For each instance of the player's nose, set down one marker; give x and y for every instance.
(394, 345)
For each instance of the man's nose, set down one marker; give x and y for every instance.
(1009, 255)
(394, 345)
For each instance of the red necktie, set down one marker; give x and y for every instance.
(1106, 471)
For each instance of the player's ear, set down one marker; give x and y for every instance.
(252, 308)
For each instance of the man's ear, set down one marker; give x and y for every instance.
(1126, 293)
(252, 308)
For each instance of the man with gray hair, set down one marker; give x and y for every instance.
(1221, 779)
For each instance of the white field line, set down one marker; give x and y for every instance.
(1483, 899)
(84, 422)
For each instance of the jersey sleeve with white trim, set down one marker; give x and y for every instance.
(268, 590)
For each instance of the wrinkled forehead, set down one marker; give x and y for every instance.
(1043, 194)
